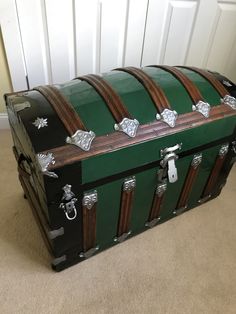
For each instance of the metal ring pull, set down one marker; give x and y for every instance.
(68, 202)
(74, 216)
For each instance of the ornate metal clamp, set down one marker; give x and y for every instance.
(169, 158)
(128, 126)
(44, 161)
(90, 199)
(82, 139)
(168, 116)
(203, 108)
(230, 101)
(223, 150)
(68, 202)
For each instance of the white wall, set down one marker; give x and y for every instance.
(52, 41)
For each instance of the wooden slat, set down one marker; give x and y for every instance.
(215, 172)
(210, 78)
(104, 144)
(189, 182)
(190, 87)
(63, 108)
(111, 98)
(89, 228)
(155, 92)
(127, 197)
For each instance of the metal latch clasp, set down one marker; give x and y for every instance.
(169, 158)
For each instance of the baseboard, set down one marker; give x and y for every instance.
(4, 124)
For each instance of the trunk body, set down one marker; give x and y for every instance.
(94, 190)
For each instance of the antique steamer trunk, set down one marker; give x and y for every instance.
(103, 158)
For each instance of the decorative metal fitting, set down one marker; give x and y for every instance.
(161, 188)
(22, 106)
(168, 116)
(197, 159)
(123, 237)
(180, 211)
(129, 184)
(52, 234)
(128, 126)
(230, 101)
(82, 139)
(153, 222)
(44, 161)
(40, 123)
(90, 199)
(68, 202)
(227, 83)
(223, 150)
(89, 253)
(59, 260)
(171, 149)
(204, 199)
(203, 108)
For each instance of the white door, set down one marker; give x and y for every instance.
(52, 41)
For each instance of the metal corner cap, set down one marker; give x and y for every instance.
(82, 139)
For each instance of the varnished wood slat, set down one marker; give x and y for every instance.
(63, 108)
(210, 78)
(214, 174)
(103, 144)
(111, 98)
(155, 92)
(189, 182)
(191, 89)
(89, 228)
(127, 198)
(156, 207)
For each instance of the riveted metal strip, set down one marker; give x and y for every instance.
(212, 180)
(127, 197)
(189, 183)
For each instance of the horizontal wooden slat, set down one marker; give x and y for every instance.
(104, 144)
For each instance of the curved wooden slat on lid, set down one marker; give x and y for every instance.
(190, 87)
(210, 78)
(156, 93)
(165, 114)
(124, 120)
(79, 136)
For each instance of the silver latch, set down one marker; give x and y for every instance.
(169, 158)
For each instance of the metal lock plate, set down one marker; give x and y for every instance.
(169, 161)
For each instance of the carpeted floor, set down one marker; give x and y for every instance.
(186, 265)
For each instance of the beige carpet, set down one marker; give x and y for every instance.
(187, 265)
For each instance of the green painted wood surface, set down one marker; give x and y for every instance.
(173, 89)
(109, 197)
(90, 106)
(96, 115)
(133, 95)
(206, 89)
(104, 165)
